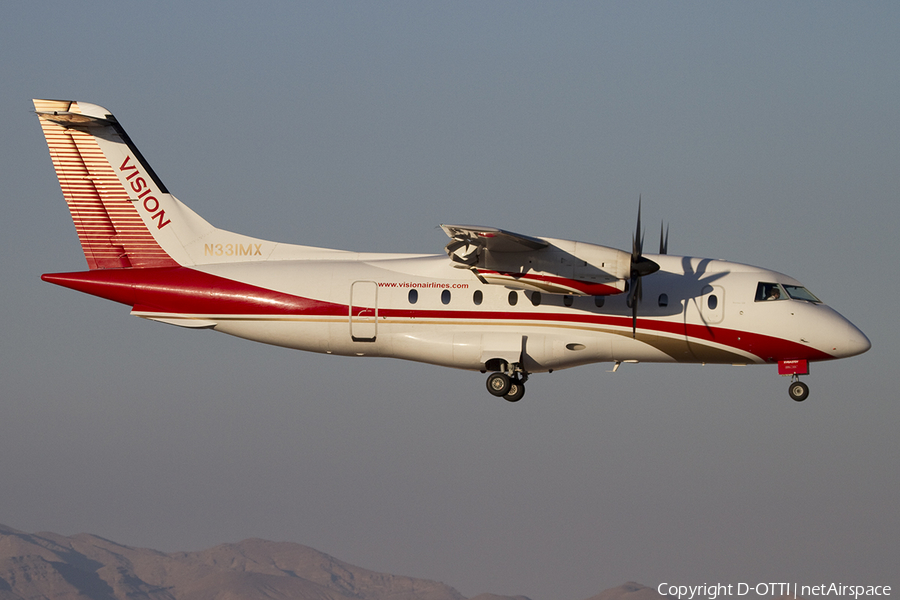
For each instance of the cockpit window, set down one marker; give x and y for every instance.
(766, 292)
(769, 291)
(801, 293)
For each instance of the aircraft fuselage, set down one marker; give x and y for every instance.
(420, 308)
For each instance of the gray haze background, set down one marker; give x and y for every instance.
(765, 133)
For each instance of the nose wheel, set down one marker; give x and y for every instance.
(798, 390)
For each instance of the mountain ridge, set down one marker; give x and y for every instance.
(88, 567)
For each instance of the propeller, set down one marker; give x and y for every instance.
(663, 242)
(640, 267)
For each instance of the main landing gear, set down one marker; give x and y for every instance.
(798, 390)
(509, 384)
(510, 388)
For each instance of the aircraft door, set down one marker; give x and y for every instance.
(702, 316)
(363, 311)
(712, 304)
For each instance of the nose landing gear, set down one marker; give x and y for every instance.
(795, 368)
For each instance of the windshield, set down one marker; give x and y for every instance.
(766, 292)
(800, 293)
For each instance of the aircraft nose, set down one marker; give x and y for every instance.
(854, 342)
(859, 343)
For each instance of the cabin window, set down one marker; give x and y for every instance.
(712, 302)
(567, 300)
(477, 297)
(513, 298)
(599, 301)
(445, 297)
(413, 296)
(536, 298)
(663, 300)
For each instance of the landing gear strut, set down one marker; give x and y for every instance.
(509, 383)
(798, 390)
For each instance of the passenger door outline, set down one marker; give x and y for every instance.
(363, 311)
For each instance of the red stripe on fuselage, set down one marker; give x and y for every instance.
(186, 291)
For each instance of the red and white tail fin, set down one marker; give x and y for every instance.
(123, 213)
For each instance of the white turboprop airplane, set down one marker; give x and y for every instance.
(497, 301)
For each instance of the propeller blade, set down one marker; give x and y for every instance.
(635, 300)
(637, 241)
(640, 266)
(663, 241)
(634, 321)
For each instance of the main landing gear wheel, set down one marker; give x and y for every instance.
(798, 391)
(516, 391)
(499, 384)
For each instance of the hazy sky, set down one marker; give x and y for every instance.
(766, 133)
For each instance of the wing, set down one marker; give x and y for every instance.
(546, 265)
(489, 238)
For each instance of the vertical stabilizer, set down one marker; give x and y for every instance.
(122, 212)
